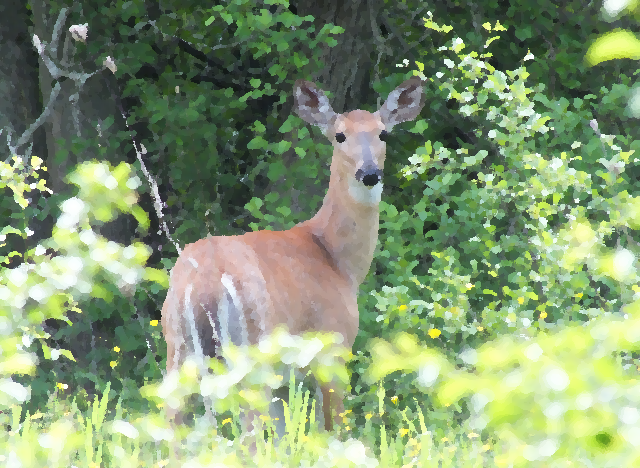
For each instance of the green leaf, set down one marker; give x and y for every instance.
(614, 45)
(276, 170)
(257, 143)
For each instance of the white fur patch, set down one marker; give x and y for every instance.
(188, 308)
(238, 314)
(363, 194)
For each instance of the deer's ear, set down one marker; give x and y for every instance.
(312, 105)
(404, 103)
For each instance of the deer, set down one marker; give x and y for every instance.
(238, 289)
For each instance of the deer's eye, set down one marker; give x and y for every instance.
(340, 138)
(383, 135)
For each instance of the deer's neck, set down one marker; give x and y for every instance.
(347, 229)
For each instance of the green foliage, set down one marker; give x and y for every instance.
(206, 127)
(253, 369)
(48, 286)
(519, 258)
(19, 179)
(613, 45)
(65, 435)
